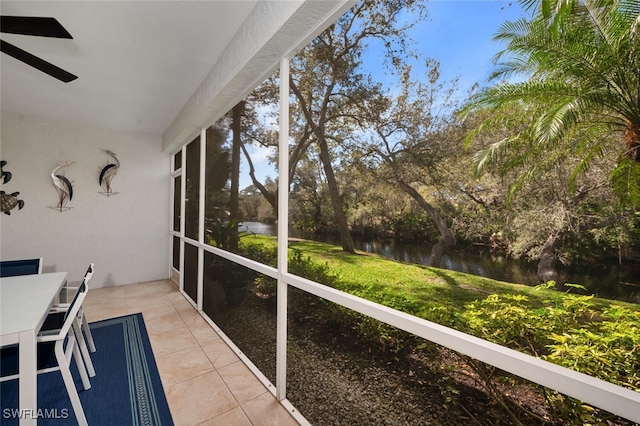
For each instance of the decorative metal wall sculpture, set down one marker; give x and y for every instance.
(8, 201)
(107, 173)
(63, 187)
(6, 176)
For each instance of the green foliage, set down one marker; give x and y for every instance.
(607, 347)
(302, 265)
(259, 251)
(504, 320)
(267, 255)
(626, 177)
(597, 337)
(299, 264)
(581, 63)
(223, 233)
(411, 226)
(511, 320)
(574, 331)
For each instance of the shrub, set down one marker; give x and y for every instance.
(572, 331)
(608, 347)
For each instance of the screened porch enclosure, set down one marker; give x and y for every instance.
(176, 221)
(294, 333)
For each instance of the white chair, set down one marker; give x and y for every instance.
(83, 322)
(56, 317)
(61, 345)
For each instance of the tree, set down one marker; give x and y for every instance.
(234, 195)
(265, 98)
(330, 86)
(545, 220)
(217, 176)
(408, 136)
(222, 175)
(309, 198)
(581, 61)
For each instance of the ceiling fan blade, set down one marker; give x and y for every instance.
(35, 26)
(36, 62)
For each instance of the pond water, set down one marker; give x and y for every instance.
(608, 280)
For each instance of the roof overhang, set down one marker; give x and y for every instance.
(161, 68)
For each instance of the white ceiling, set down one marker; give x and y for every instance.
(137, 62)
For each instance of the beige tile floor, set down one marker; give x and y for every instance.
(205, 382)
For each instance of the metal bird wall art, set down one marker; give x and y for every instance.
(63, 186)
(107, 173)
(8, 201)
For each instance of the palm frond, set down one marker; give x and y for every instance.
(626, 181)
(524, 178)
(635, 27)
(581, 61)
(492, 153)
(584, 165)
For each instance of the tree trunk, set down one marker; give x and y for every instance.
(546, 261)
(436, 253)
(271, 197)
(448, 240)
(235, 172)
(336, 199)
(632, 140)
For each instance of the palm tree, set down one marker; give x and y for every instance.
(580, 96)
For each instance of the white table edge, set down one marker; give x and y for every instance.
(27, 341)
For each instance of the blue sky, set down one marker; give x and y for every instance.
(458, 33)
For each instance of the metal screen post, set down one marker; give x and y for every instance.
(283, 231)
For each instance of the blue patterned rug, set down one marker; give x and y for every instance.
(125, 391)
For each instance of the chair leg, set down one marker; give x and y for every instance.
(79, 362)
(83, 349)
(69, 384)
(87, 332)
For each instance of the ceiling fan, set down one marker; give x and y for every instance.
(34, 26)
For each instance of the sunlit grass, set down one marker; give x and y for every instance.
(416, 289)
(572, 331)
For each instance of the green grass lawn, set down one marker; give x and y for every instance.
(599, 337)
(415, 289)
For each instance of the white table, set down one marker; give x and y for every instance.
(25, 301)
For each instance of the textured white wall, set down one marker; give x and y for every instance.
(125, 235)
